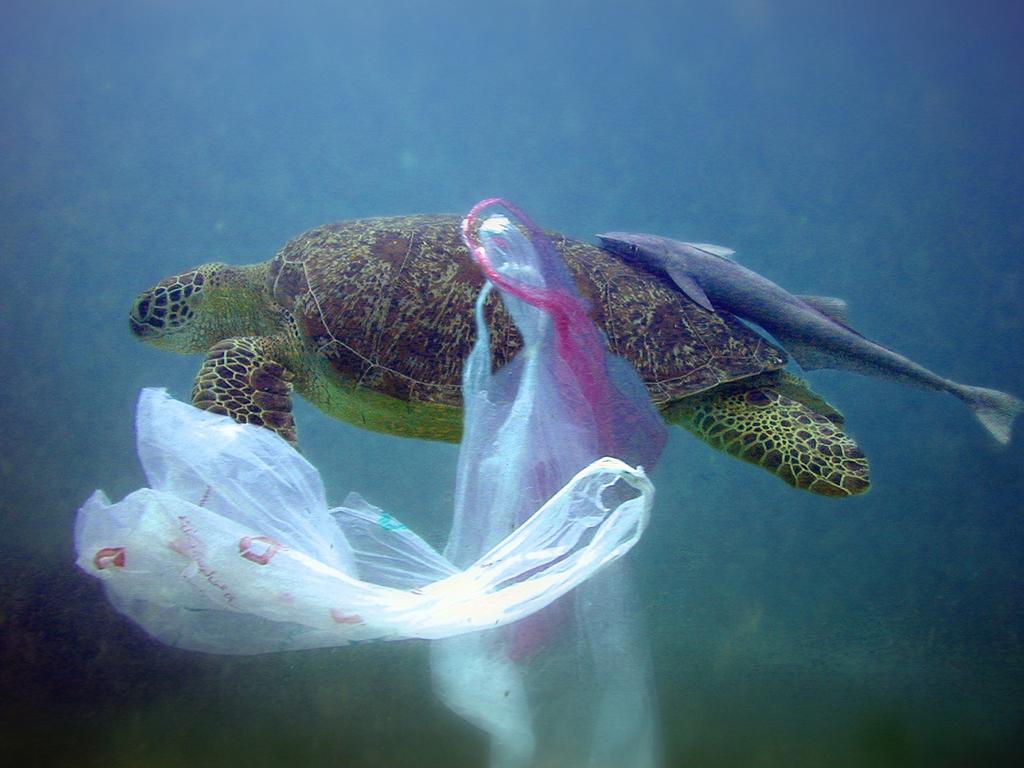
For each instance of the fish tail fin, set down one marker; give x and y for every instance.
(995, 410)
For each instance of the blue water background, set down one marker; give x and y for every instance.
(854, 149)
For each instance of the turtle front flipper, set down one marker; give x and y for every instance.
(759, 421)
(240, 379)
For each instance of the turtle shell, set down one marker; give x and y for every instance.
(388, 302)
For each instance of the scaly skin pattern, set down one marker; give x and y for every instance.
(372, 319)
(240, 379)
(761, 425)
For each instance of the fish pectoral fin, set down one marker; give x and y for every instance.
(685, 282)
(831, 307)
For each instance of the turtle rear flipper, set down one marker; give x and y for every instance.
(756, 422)
(240, 379)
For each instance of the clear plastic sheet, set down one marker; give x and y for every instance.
(570, 684)
(232, 548)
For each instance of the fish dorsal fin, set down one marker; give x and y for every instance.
(688, 285)
(714, 250)
(837, 309)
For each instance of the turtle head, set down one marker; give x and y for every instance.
(175, 314)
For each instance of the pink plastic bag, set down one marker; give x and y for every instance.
(568, 685)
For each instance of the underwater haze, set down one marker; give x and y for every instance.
(868, 150)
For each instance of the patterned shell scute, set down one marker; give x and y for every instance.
(678, 347)
(389, 303)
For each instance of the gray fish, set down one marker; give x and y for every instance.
(813, 329)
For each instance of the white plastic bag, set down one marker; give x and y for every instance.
(232, 548)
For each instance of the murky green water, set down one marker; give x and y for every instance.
(853, 150)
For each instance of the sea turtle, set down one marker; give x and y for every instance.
(371, 320)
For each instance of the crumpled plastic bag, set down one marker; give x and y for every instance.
(568, 685)
(232, 548)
